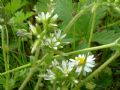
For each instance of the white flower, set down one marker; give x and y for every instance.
(50, 75)
(47, 18)
(88, 64)
(55, 63)
(43, 17)
(66, 67)
(58, 34)
(54, 41)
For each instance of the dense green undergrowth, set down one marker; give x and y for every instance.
(59, 44)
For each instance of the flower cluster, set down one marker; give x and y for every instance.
(47, 19)
(47, 35)
(54, 41)
(80, 65)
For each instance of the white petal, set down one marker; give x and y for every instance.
(58, 34)
(70, 66)
(87, 69)
(64, 64)
(57, 43)
(47, 16)
(79, 69)
(79, 55)
(90, 65)
(54, 25)
(55, 63)
(43, 16)
(63, 36)
(54, 18)
(61, 69)
(72, 60)
(55, 48)
(38, 18)
(54, 39)
(76, 81)
(90, 58)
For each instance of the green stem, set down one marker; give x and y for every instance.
(37, 84)
(76, 17)
(88, 49)
(116, 55)
(110, 25)
(4, 48)
(81, 12)
(34, 65)
(92, 25)
(91, 35)
(32, 71)
(54, 85)
(7, 55)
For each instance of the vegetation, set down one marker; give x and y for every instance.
(59, 44)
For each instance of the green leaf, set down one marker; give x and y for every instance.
(20, 17)
(82, 26)
(104, 79)
(14, 5)
(42, 5)
(105, 37)
(64, 10)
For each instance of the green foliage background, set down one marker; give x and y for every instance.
(15, 15)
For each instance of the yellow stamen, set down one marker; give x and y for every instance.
(81, 60)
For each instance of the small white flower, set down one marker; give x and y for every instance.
(43, 17)
(58, 34)
(55, 63)
(33, 29)
(80, 62)
(66, 67)
(47, 18)
(54, 41)
(50, 75)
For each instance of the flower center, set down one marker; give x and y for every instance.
(81, 60)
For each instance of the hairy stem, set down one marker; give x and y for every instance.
(88, 49)
(92, 25)
(32, 71)
(76, 17)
